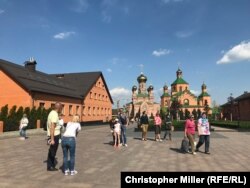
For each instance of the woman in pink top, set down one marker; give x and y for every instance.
(157, 122)
(190, 131)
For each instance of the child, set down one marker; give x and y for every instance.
(117, 131)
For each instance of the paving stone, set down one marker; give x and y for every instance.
(99, 164)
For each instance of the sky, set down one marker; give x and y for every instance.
(208, 39)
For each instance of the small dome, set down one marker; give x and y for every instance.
(150, 87)
(204, 86)
(134, 88)
(179, 71)
(141, 78)
(165, 87)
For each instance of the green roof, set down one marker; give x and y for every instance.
(165, 95)
(142, 95)
(179, 81)
(204, 94)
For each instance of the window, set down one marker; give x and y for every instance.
(70, 110)
(93, 111)
(41, 104)
(77, 109)
(89, 111)
(186, 102)
(106, 98)
(99, 97)
(83, 110)
(99, 84)
(103, 97)
(206, 102)
(62, 108)
(180, 88)
(95, 96)
(98, 111)
(90, 95)
(52, 105)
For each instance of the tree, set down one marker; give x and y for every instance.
(4, 113)
(199, 113)
(206, 109)
(175, 107)
(187, 113)
(181, 114)
(194, 112)
(230, 100)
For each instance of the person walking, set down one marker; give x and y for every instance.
(204, 133)
(157, 123)
(189, 132)
(23, 126)
(168, 124)
(144, 125)
(53, 133)
(69, 145)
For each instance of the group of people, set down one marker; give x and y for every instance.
(203, 128)
(68, 140)
(119, 127)
(144, 124)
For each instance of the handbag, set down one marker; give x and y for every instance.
(184, 145)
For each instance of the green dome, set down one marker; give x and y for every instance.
(141, 78)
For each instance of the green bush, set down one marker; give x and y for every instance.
(232, 124)
(12, 117)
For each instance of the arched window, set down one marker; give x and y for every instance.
(186, 102)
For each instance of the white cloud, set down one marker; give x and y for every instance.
(171, 1)
(64, 35)
(238, 53)
(2, 11)
(161, 52)
(106, 18)
(195, 92)
(81, 6)
(122, 94)
(109, 70)
(106, 7)
(183, 34)
(116, 60)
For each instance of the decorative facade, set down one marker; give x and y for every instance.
(187, 101)
(143, 99)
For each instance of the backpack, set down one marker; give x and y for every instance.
(184, 145)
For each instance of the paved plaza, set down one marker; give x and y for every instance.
(23, 163)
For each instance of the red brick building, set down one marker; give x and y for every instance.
(239, 108)
(84, 93)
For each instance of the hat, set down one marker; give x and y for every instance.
(116, 119)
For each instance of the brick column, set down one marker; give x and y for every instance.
(1, 127)
(38, 124)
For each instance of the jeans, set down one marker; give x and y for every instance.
(202, 139)
(69, 148)
(23, 133)
(123, 134)
(51, 161)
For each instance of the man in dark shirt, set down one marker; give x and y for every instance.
(144, 125)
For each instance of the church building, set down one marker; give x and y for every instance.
(142, 99)
(187, 101)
